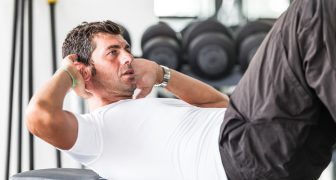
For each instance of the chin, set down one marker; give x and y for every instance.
(130, 88)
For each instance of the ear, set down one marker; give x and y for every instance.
(84, 70)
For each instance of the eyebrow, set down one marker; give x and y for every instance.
(127, 46)
(113, 47)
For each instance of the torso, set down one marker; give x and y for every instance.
(158, 139)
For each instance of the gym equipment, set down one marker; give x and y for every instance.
(54, 56)
(161, 44)
(209, 48)
(249, 38)
(20, 95)
(11, 88)
(58, 174)
(18, 20)
(127, 36)
(30, 76)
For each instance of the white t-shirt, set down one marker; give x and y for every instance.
(151, 139)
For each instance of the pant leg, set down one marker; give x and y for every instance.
(280, 122)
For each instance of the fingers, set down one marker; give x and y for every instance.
(72, 57)
(69, 60)
(69, 63)
(80, 89)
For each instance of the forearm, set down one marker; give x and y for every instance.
(45, 116)
(52, 94)
(186, 88)
(195, 92)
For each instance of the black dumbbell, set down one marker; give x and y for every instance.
(161, 44)
(248, 39)
(127, 36)
(209, 48)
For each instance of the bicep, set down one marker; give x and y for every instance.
(60, 131)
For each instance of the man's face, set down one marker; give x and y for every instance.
(112, 60)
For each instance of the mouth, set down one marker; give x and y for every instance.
(128, 72)
(128, 76)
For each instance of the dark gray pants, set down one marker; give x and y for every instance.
(281, 120)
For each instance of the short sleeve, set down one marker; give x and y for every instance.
(88, 144)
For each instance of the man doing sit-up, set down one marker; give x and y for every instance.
(280, 123)
(122, 137)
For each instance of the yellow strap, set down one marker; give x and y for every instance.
(52, 1)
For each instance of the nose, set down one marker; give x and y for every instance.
(126, 58)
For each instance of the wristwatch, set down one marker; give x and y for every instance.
(166, 77)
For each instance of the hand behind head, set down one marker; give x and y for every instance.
(78, 71)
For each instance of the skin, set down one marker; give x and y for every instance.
(118, 74)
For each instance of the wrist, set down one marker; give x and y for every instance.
(164, 76)
(159, 74)
(71, 74)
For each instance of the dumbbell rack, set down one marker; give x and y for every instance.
(208, 50)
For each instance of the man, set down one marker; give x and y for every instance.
(125, 138)
(280, 123)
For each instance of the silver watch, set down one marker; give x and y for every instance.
(166, 77)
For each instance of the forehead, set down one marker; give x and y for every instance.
(103, 40)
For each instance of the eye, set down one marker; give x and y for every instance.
(128, 48)
(113, 52)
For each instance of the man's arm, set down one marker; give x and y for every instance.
(45, 116)
(195, 92)
(184, 87)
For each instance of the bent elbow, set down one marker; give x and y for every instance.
(221, 102)
(31, 121)
(225, 101)
(37, 118)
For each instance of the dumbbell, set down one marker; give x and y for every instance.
(248, 39)
(161, 44)
(127, 36)
(209, 48)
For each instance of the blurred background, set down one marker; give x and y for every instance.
(211, 40)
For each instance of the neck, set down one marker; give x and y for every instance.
(95, 102)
